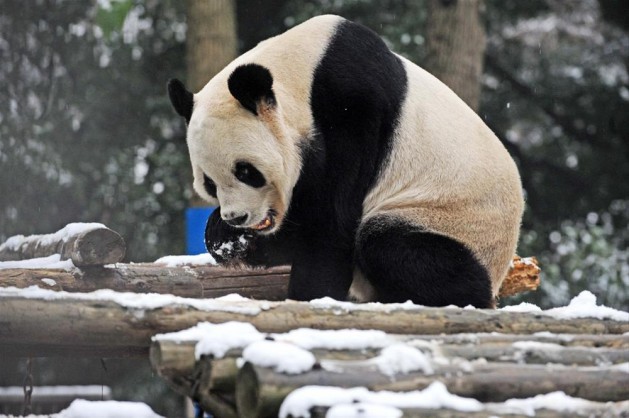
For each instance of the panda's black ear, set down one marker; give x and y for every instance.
(251, 85)
(181, 98)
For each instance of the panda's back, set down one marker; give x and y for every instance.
(450, 174)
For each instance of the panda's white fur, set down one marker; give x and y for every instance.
(464, 186)
(446, 173)
(215, 141)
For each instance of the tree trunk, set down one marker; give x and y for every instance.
(455, 45)
(211, 44)
(210, 40)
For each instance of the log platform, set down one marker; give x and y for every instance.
(105, 308)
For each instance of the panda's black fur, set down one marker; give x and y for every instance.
(357, 92)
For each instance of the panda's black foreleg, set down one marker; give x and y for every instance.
(404, 262)
(229, 245)
(320, 269)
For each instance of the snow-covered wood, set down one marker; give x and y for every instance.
(192, 281)
(40, 322)
(86, 244)
(260, 391)
(169, 276)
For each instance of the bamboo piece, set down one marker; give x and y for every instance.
(203, 281)
(97, 246)
(260, 391)
(35, 326)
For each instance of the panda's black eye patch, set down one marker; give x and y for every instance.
(249, 175)
(210, 186)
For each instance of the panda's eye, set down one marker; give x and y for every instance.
(249, 175)
(210, 186)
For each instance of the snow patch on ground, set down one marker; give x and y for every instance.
(107, 409)
(81, 408)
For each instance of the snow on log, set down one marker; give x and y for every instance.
(200, 364)
(86, 244)
(175, 360)
(260, 391)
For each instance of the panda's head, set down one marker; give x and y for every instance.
(243, 154)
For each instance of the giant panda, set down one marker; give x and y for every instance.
(376, 182)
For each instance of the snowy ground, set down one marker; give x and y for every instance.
(101, 409)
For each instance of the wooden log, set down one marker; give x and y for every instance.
(196, 281)
(523, 276)
(260, 391)
(210, 378)
(172, 360)
(33, 327)
(85, 246)
(603, 410)
(200, 281)
(214, 388)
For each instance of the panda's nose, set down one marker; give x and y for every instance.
(235, 219)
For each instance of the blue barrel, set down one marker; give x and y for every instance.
(196, 218)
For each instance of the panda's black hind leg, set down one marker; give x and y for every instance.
(404, 262)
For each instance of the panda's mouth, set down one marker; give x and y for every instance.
(267, 223)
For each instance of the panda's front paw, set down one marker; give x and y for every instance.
(228, 245)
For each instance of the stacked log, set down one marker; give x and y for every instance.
(488, 367)
(85, 244)
(39, 326)
(197, 281)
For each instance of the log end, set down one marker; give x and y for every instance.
(523, 276)
(98, 247)
(248, 401)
